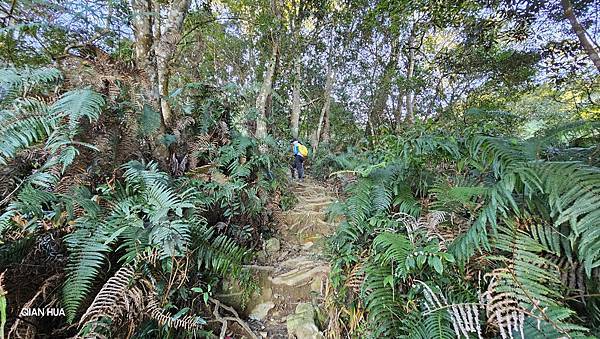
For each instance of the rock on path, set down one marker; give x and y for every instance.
(292, 291)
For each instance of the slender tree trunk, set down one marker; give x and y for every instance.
(410, 116)
(295, 118)
(326, 108)
(144, 54)
(582, 35)
(325, 135)
(265, 91)
(382, 94)
(398, 111)
(154, 49)
(165, 50)
(155, 46)
(142, 32)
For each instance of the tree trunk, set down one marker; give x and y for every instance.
(410, 116)
(585, 42)
(325, 109)
(165, 50)
(265, 91)
(398, 111)
(142, 32)
(295, 118)
(325, 136)
(144, 54)
(155, 47)
(381, 96)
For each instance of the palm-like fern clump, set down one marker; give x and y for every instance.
(518, 250)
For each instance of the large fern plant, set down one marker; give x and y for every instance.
(520, 250)
(147, 211)
(38, 130)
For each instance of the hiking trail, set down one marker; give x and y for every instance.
(292, 268)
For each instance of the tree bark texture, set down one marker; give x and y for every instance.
(295, 117)
(398, 111)
(144, 54)
(383, 90)
(265, 91)
(326, 110)
(165, 50)
(155, 45)
(410, 69)
(582, 35)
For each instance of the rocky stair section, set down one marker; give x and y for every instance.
(293, 272)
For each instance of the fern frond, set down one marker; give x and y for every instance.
(502, 306)
(144, 174)
(394, 247)
(21, 133)
(501, 154)
(528, 286)
(106, 302)
(384, 310)
(117, 298)
(187, 322)
(78, 104)
(88, 249)
(219, 254)
(18, 82)
(573, 191)
(464, 317)
(433, 325)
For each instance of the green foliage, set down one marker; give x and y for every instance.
(148, 211)
(88, 248)
(508, 205)
(27, 123)
(102, 222)
(78, 104)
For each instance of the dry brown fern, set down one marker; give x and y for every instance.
(111, 300)
(203, 143)
(502, 308)
(181, 125)
(118, 299)
(356, 278)
(157, 313)
(24, 329)
(76, 175)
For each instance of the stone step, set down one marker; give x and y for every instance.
(295, 282)
(301, 275)
(296, 215)
(312, 206)
(307, 192)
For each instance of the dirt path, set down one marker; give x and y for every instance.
(293, 284)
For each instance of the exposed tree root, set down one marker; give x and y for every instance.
(224, 320)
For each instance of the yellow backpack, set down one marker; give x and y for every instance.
(302, 150)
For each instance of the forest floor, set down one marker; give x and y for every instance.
(293, 270)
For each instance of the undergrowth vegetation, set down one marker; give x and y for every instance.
(139, 248)
(457, 234)
(451, 151)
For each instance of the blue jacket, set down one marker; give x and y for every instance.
(295, 149)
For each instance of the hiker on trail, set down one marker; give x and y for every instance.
(300, 152)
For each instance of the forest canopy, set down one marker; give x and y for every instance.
(452, 171)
